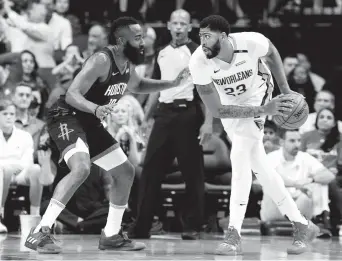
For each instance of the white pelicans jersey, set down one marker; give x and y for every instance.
(246, 80)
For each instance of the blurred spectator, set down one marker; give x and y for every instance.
(31, 34)
(23, 67)
(16, 160)
(122, 125)
(137, 111)
(22, 99)
(60, 26)
(325, 144)
(317, 81)
(175, 134)
(300, 81)
(305, 177)
(323, 99)
(72, 61)
(290, 62)
(146, 68)
(270, 138)
(65, 73)
(62, 7)
(97, 39)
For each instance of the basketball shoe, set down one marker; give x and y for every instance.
(303, 235)
(43, 242)
(231, 244)
(119, 242)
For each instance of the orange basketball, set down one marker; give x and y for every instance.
(297, 117)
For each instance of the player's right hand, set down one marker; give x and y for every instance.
(280, 105)
(103, 111)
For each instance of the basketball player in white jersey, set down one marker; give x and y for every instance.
(235, 84)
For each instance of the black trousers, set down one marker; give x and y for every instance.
(174, 135)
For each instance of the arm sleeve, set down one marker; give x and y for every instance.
(66, 37)
(9, 58)
(200, 70)
(257, 43)
(37, 31)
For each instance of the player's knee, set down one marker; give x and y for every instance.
(81, 170)
(129, 171)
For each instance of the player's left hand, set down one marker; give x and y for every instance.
(183, 77)
(206, 131)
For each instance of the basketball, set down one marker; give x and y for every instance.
(297, 117)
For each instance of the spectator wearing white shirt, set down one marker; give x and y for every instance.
(16, 160)
(62, 7)
(305, 177)
(31, 33)
(60, 26)
(323, 99)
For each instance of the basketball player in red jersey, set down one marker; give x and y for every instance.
(236, 85)
(74, 124)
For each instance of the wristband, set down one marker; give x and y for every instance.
(96, 109)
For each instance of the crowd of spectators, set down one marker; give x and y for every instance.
(42, 47)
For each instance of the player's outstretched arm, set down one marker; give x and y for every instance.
(211, 99)
(96, 67)
(138, 84)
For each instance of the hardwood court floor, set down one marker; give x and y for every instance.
(171, 247)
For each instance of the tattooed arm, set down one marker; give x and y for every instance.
(211, 99)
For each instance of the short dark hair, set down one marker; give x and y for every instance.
(5, 103)
(216, 23)
(26, 84)
(118, 24)
(282, 132)
(271, 125)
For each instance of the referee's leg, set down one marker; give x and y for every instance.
(190, 158)
(158, 158)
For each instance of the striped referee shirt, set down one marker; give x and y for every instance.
(170, 61)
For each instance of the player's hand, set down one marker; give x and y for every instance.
(182, 77)
(102, 111)
(206, 132)
(280, 105)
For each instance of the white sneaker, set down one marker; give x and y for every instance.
(3, 228)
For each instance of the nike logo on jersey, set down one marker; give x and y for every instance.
(216, 71)
(242, 62)
(115, 73)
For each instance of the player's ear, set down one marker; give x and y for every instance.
(169, 25)
(120, 41)
(223, 35)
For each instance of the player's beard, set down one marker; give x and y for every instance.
(135, 55)
(214, 50)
